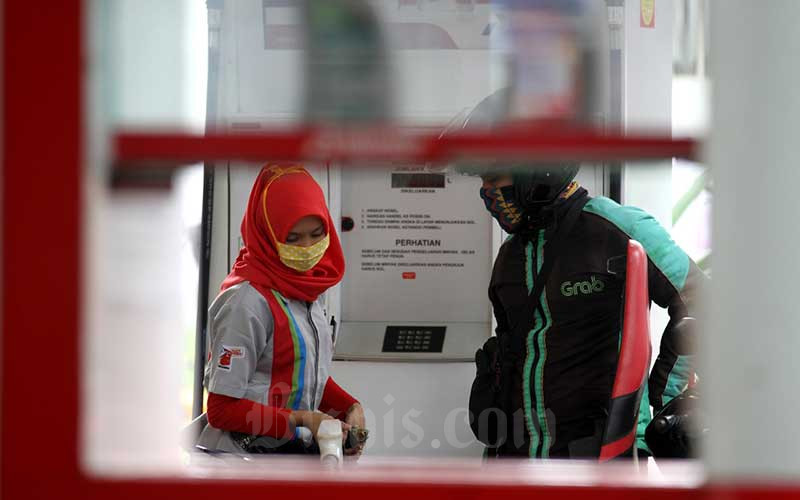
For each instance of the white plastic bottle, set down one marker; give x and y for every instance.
(329, 438)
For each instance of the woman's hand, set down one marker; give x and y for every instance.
(310, 420)
(355, 418)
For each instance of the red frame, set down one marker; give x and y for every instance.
(537, 141)
(42, 199)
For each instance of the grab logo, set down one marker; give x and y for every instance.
(595, 285)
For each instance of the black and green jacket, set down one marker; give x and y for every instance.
(559, 360)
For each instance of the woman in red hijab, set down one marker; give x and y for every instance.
(269, 344)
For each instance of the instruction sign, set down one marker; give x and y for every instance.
(417, 245)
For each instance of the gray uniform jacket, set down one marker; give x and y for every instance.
(241, 348)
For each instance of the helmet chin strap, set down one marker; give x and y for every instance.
(541, 213)
(539, 218)
(535, 198)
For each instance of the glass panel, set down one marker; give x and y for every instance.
(148, 68)
(412, 309)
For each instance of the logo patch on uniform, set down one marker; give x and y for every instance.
(569, 289)
(227, 355)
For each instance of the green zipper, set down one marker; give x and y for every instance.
(539, 374)
(526, 373)
(536, 336)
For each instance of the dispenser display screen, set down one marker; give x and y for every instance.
(413, 339)
(418, 180)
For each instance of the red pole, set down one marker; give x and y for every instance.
(41, 211)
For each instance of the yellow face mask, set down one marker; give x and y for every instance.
(303, 258)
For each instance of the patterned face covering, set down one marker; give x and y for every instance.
(500, 203)
(303, 258)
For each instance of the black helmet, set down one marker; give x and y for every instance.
(535, 183)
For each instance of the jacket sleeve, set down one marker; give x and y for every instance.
(674, 365)
(335, 400)
(242, 415)
(237, 336)
(675, 282)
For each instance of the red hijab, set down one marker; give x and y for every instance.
(281, 196)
